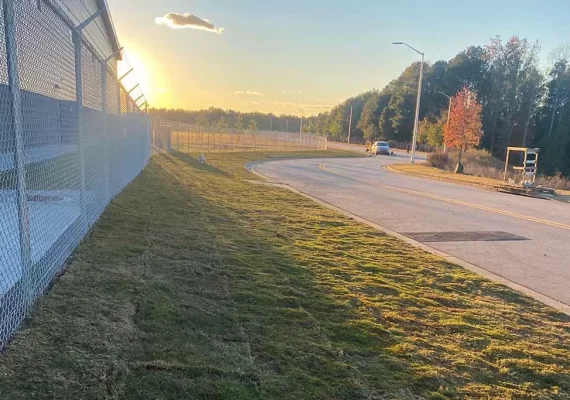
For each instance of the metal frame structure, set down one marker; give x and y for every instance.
(528, 166)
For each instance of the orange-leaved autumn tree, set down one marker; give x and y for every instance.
(465, 128)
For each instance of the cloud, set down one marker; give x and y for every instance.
(303, 105)
(187, 20)
(249, 93)
(256, 103)
(286, 104)
(300, 91)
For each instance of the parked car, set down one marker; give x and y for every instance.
(381, 148)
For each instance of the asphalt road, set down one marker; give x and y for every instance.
(411, 205)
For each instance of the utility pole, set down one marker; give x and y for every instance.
(350, 124)
(447, 124)
(418, 102)
(301, 127)
(417, 120)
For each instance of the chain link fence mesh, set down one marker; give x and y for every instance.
(71, 138)
(178, 136)
(63, 155)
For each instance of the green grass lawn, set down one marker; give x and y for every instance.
(196, 284)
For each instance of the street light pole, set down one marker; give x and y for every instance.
(418, 102)
(448, 114)
(350, 124)
(301, 128)
(302, 115)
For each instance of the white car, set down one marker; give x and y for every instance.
(381, 148)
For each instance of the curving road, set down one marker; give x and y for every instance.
(524, 240)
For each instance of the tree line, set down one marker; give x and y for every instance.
(232, 120)
(523, 103)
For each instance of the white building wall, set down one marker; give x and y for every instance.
(96, 32)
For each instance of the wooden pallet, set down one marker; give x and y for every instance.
(538, 192)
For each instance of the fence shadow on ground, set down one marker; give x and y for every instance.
(220, 305)
(197, 164)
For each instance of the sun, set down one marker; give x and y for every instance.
(147, 73)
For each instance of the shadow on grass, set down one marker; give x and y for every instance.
(206, 286)
(178, 295)
(329, 323)
(197, 164)
(280, 308)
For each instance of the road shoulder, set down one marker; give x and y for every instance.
(424, 171)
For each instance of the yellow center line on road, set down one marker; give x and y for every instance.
(448, 200)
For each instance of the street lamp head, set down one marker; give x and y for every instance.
(407, 45)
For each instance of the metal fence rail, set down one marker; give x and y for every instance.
(178, 136)
(71, 138)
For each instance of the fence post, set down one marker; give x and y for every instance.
(119, 122)
(19, 151)
(148, 126)
(156, 144)
(78, 45)
(77, 38)
(152, 136)
(199, 138)
(178, 137)
(105, 125)
(169, 131)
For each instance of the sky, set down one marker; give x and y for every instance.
(275, 56)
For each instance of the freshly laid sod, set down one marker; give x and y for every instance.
(197, 284)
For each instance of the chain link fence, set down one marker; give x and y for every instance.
(188, 138)
(71, 138)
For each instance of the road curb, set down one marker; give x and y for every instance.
(422, 246)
